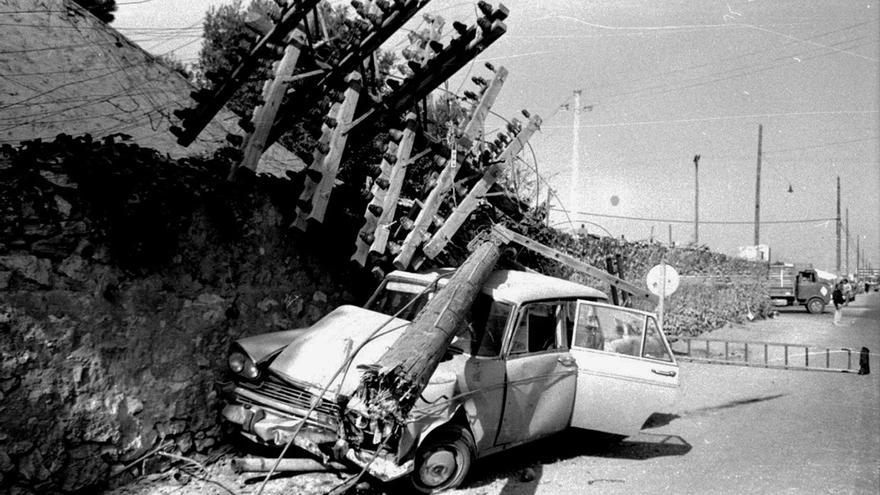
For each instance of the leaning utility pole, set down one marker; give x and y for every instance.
(696, 199)
(758, 190)
(838, 225)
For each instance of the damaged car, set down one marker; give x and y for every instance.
(534, 356)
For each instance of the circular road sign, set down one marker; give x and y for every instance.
(655, 279)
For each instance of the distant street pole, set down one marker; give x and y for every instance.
(858, 253)
(575, 150)
(696, 199)
(670, 234)
(846, 233)
(838, 225)
(758, 190)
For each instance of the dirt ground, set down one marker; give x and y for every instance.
(733, 430)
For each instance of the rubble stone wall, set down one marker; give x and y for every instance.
(124, 276)
(715, 289)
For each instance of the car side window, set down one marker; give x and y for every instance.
(655, 347)
(588, 332)
(537, 329)
(609, 329)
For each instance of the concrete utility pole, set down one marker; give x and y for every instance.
(670, 234)
(758, 190)
(575, 150)
(838, 225)
(696, 199)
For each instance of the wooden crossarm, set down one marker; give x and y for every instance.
(355, 53)
(481, 111)
(199, 117)
(316, 193)
(398, 174)
(385, 200)
(436, 71)
(264, 115)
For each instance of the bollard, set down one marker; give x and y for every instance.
(864, 364)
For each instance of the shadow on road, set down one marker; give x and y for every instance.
(521, 468)
(731, 404)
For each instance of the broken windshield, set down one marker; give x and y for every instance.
(395, 295)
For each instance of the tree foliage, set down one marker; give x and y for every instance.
(227, 41)
(102, 9)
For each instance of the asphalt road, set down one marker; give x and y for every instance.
(732, 430)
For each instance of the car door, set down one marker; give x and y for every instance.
(541, 375)
(626, 371)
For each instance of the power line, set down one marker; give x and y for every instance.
(714, 222)
(720, 117)
(713, 63)
(743, 71)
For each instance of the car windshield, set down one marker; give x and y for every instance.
(397, 296)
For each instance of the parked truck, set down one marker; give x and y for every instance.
(790, 286)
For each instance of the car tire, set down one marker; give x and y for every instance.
(815, 305)
(443, 459)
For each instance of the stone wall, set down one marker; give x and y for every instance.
(715, 289)
(124, 275)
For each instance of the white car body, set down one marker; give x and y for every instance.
(537, 355)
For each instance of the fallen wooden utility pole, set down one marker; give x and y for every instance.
(576, 264)
(389, 389)
(300, 465)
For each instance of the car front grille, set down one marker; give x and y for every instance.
(296, 397)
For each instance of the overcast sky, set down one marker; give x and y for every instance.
(661, 82)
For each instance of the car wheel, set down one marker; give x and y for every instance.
(443, 460)
(815, 305)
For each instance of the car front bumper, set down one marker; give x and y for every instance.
(265, 426)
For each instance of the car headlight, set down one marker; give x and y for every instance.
(242, 365)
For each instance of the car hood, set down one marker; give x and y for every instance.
(264, 346)
(316, 353)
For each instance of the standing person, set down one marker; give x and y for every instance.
(837, 297)
(847, 292)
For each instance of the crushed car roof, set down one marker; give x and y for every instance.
(514, 286)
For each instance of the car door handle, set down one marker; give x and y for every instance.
(567, 361)
(663, 372)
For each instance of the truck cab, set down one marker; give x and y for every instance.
(789, 286)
